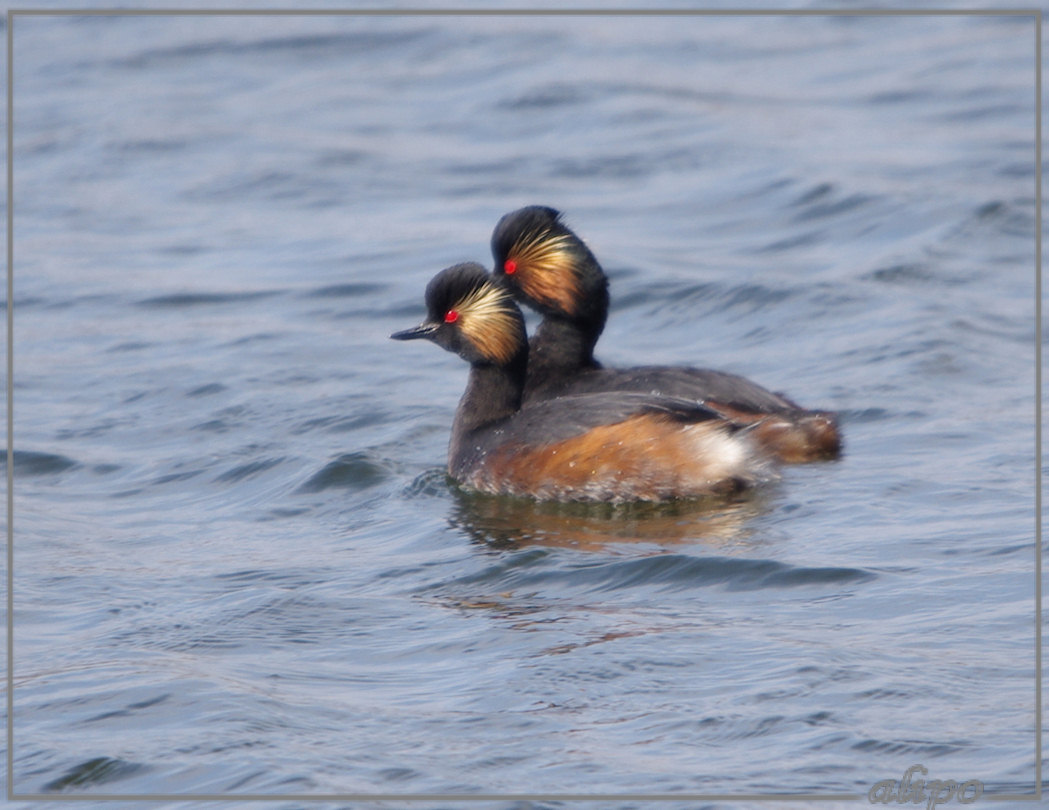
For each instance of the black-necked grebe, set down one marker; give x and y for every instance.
(612, 446)
(548, 267)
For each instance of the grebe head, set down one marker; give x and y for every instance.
(546, 266)
(471, 316)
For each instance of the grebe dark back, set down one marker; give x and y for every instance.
(611, 446)
(549, 268)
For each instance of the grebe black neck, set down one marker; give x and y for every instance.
(558, 352)
(493, 393)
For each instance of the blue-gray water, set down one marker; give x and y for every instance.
(238, 564)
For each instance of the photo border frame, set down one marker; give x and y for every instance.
(13, 14)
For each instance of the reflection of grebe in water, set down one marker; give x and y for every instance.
(501, 522)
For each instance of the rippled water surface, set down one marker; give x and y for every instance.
(239, 567)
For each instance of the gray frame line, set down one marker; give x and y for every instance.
(1038, 404)
(532, 12)
(440, 797)
(519, 12)
(10, 705)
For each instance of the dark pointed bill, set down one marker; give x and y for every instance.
(423, 330)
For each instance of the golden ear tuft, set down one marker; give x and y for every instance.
(545, 270)
(491, 322)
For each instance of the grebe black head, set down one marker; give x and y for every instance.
(470, 316)
(614, 446)
(550, 269)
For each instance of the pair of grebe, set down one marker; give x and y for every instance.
(542, 418)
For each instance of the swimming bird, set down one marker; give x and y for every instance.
(610, 446)
(547, 267)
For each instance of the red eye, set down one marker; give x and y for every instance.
(510, 266)
(451, 316)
